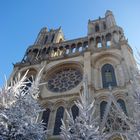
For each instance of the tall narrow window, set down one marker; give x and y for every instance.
(52, 37)
(79, 46)
(45, 117)
(73, 50)
(58, 123)
(102, 109)
(108, 76)
(91, 40)
(97, 28)
(43, 51)
(122, 105)
(98, 42)
(75, 111)
(85, 46)
(46, 39)
(108, 40)
(108, 44)
(99, 45)
(73, 47)
(67, 50)
(48, 50)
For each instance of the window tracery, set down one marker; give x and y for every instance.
(64, 79)
(108, 76)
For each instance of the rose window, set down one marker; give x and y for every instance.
(64, 79)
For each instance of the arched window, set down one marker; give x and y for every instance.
(122, 105)
(67, 50)
(58, 123)
(45, 117)
(91, 40)
(73, 47)
(75, 111)
(54, 52)
(85, 45)
(98, 42)
(60, 50)
(73, 50)
(108, 76)
(108, 40)
(97, 28)
(80, 49)
(102, 109)
(79, 46)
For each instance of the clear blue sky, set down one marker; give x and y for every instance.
(21, 20)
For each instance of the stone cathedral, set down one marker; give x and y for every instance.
(104, 55)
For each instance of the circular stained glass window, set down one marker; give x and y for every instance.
(64, 79)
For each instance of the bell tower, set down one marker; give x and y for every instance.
(104, 55)
(51, 36)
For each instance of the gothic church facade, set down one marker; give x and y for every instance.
(104, 55)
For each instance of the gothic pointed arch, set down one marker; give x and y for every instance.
(122, 105)
(108, 76)
(58, 123)
(102, 109)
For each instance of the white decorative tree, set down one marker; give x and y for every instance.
(136, 87)
(19, 110)
(116, 123)
(85, 126)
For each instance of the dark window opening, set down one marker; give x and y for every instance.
(108, 76)
(102, 109)
(58, 123)
(108, 40)
(122, 105)
(85, 45)
(48, 50)
(75, 111)
(45, 117)
(52, 37)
